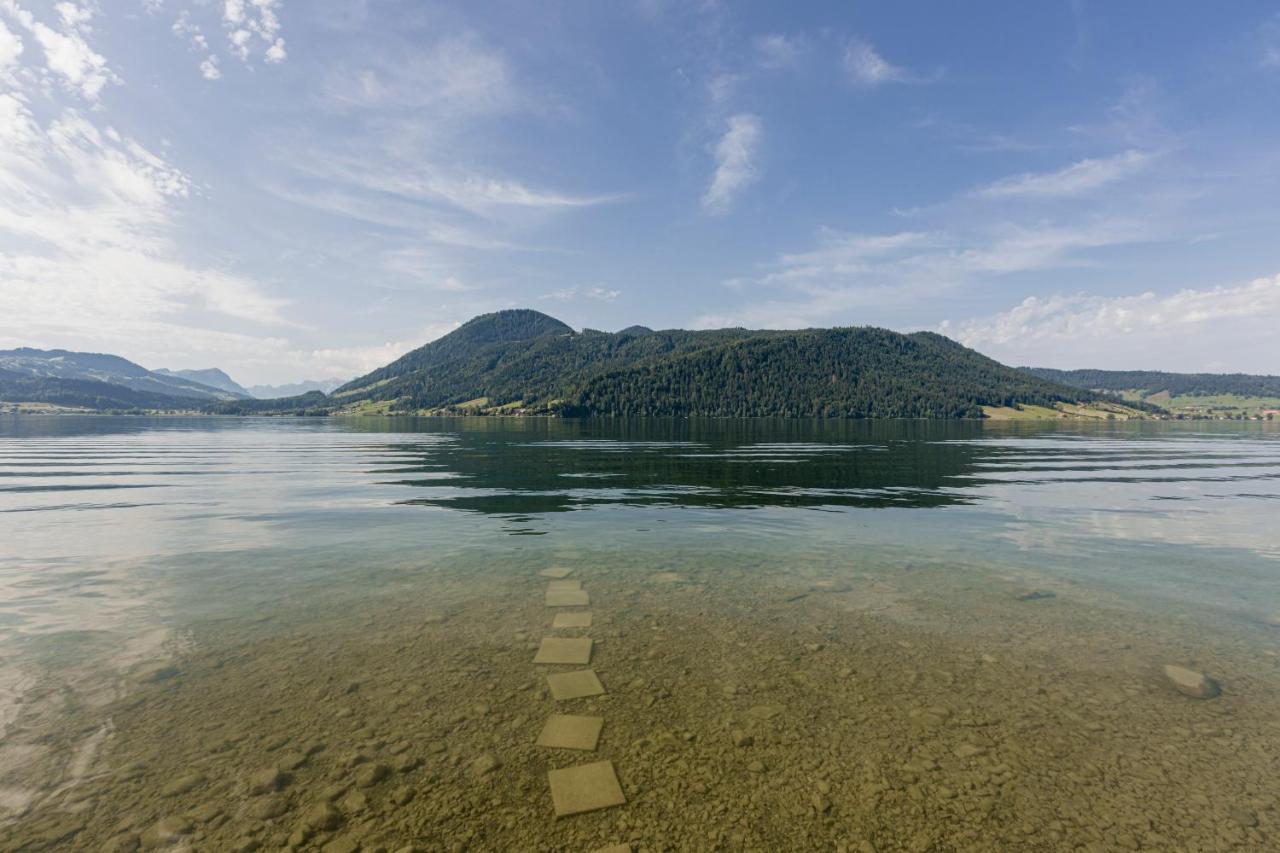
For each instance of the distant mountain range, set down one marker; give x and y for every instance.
(294, 389)
(53, 365)
(98, 381)
(210, 377)
(526, 362)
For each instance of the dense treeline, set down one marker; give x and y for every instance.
(529, 359)
(538, 368)
(1154, 381)
(833, 373)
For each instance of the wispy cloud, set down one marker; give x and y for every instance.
(776, 50)
(1224, 327)
(736, 167)
(88, 215)
(596, 293)
(458, 77)
(1076, 179)
(866, 67)
(1271, 43)
(866, 274)
(68, 58)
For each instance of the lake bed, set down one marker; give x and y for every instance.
(243, 633)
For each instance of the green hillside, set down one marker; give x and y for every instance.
(1155, 381)
(527, 361)
(1196, 395)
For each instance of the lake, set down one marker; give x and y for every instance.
(320, 633)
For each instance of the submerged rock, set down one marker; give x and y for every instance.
(268, 807)
(1191, 683)
(166, 831)
(265, 781)
(322, 816)
(371, 774)
(182, 785)
(485, 764)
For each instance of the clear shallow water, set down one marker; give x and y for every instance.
(133, 544)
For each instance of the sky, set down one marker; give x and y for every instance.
(296, 190)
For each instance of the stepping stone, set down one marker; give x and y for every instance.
(564, 650)
(561, 586)
(585, 788)
(579, 619)
(574, 685)
(566, 731)
(614, 848)
(567, 598)
(557, 572)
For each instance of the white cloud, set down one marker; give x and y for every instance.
(183, 28)
(866, 67)
(1218, 328)
(244, 20)
(736, 168)
(67, 56)
(73, 16)
(775, 50)
(87, 216)
(209, 68)
(10, 47)
(1076, 179)
(595, 293)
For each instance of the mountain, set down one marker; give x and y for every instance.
(310, 403)
(85, 394)
(295, 389)
(1152, 382)
(109, 369)
(211, 377)
(527, 361)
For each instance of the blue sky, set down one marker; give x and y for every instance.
(291, 190)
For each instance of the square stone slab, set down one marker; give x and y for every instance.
(556, 572)
(564, 650)
(567, 598)
(585, 788)
(576, 619)
(561, 586)
(566, 731)
(574, 685)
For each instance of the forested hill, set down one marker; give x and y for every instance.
(1149, 382)
(528, 361)
(829, 373)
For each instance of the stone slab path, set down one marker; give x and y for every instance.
(583, 787)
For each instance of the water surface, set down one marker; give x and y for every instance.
(934, 635)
